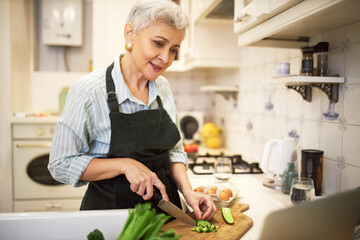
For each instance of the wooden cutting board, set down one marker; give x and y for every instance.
(226, 232)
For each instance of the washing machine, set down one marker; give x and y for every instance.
(191, 123)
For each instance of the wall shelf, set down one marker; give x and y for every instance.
(226, 91)
(303, 85)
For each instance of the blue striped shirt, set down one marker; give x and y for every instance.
(83, 131)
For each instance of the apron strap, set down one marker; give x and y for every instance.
(158, 99)
(110, 89)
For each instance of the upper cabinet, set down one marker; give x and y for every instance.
(209, 41)
(290, 23)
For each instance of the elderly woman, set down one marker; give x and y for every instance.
(119, 132)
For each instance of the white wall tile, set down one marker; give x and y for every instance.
(311, 110)
(281, 127)
(310, 136)
(352, 69)
(295, 65)
(315, 39)
(350, 178)
(330, 140)
(280, 101)
(294, 126)
(336, 61)
(294, 106)
(353, 32)
(335, 37)
(351, 146)
(351, 104)
(258, 128)
(331, 177)
(269, 127)
(332, 112)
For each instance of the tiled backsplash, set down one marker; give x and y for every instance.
(267, 111)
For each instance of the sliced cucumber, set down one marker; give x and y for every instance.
(227, 215)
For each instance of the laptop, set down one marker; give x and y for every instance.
(333, 217)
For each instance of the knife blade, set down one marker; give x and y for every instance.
(173, 210)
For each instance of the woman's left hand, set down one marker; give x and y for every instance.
(202, 204)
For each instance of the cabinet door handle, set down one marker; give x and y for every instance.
(53, 205)
(241, 17)
(38, 145)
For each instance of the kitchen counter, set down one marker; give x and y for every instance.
(35, 120)
(59, 225)
(262, 200)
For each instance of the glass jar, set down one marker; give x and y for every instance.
(289, 173)
(322, 49)
(62, 98)
(307, 63)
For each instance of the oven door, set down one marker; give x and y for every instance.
(32, 179)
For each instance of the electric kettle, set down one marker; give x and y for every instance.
(277, 153)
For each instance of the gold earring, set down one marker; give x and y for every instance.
(128, 47)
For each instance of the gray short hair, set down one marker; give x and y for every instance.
(147, 12)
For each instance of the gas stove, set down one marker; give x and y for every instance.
(204, 164)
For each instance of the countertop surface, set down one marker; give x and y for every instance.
(35, 120)
(262, 200)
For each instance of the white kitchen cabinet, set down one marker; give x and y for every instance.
(201, 8)
(290, 23)
(208, 43)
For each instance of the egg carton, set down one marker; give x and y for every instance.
(216, 195)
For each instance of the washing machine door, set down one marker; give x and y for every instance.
(189, 125)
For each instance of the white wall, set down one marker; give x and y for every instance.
(5, 109)
(51, 58)
(339, 139)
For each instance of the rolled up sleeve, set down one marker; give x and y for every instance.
(69, 155)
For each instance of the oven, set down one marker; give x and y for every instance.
(34, 188)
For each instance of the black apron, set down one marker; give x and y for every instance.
(146, 136)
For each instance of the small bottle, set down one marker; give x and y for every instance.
(322, 58)
(307, 62)
(289, 173)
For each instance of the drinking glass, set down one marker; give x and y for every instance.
(302, 190)
(223, 169)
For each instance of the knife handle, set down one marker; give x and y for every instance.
(156, 196)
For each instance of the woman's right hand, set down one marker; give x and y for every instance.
(142, 180)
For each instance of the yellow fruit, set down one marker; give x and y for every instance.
(209, 130)
(214, 142)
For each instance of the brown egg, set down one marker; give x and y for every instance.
(224, 196)
(228, 191)
(211, 191)
(214, 188)
(199, 189)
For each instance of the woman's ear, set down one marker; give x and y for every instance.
(128, 32)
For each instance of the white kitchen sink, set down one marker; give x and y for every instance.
(61, 225)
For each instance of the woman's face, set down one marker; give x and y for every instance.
(154, 48)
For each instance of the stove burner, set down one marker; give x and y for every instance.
(204, 164)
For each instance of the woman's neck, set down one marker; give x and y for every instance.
(136, 82)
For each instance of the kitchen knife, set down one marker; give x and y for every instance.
(172, 209)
